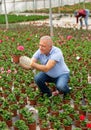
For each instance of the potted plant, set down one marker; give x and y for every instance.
(11, 98)
(77, 129)
(57, 125)
(14, 108)
(21, 102)
(3, 125)
(89, 113)
(76, 119)
(32, 98)
(31, 121)
(24, 97)
(83, 122)
(47, 103)
(17, 52)
(44, 125)
(1, 100)
(52, 119)
(83, 109)
(67, 98)
(7, 116)
(67, 122)
(5, 104)
(54, 109)
(17, 92)
(1, 113)
(20, 124)
(42, 113)
(24, 113)
(56, 100)
(62, 115)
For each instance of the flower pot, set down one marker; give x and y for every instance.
(15, 58)
(9, 123)
(1, 118)
(56, 113)
(77, 123)
(89, 116)
(15, 128)
(68, 127)
(51, 125)
(81, 112)
(32, 126)
(32, 102)
(14, 113)
(44, 128)
(66, 101)
(84, 128)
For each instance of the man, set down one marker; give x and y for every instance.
(82, 14)
(49, 60)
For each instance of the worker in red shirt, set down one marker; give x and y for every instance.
(82, 14)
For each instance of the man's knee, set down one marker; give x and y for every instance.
(36, 78)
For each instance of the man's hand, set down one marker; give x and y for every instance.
(25, 66)
(31, 64)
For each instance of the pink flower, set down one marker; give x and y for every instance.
(8, 71)
(1, 41)
(20, 48)
(69, 37)
(2, 69)
(88, 125)
(15, 71)
(12, 39)
(7, 38)
(82, 117)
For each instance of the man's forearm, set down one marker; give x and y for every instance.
(39, 67)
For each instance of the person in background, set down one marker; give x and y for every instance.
(49, 60)
(80, 15)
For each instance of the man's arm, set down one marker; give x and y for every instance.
(45, 68)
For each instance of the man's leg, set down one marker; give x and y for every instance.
(62, 83)
(86, 18)
(41, 79)
(81, 23)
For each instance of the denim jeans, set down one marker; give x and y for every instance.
(85, 19)
(60, 82)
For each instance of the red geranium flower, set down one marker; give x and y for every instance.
(88, 125)
(82, 117)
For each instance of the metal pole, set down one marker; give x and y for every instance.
(14, 4)
(50, 18)
(44, 4)
(59, 7)
(6, 18)
(26, 4)
(84, 4)
(33, 6)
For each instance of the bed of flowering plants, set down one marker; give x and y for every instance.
(17, 84)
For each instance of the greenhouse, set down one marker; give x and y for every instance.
(23, 5)
(45, 65)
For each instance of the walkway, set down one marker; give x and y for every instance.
(66, 22)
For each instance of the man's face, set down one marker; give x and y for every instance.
(44, 47)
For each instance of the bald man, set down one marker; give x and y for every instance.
(49, 60)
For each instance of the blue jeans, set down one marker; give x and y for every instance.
(61, 83)
(85, 19)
